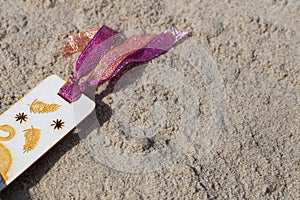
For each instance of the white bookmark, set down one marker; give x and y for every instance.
(35, 124)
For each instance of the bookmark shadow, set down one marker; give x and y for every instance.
(2, 182)
(103, 112)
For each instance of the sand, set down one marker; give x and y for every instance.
(227, 128)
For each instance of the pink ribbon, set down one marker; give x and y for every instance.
(102, 61)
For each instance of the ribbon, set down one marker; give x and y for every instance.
(102, 61)
(78, 42)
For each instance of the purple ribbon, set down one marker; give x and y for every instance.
(99, 45)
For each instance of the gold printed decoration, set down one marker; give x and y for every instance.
(21, 117)
(6, 161)
(8, 129)
(32, 136)
(42, 107)
(58, 124)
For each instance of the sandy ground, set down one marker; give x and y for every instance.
(255, 47)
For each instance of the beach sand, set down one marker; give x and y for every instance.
(245, 145)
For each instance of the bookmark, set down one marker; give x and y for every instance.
(44, 116)
(35, 124)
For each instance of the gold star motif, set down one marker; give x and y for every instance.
(58, 124)
(21, 117)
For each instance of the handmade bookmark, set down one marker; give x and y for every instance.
(44, 116)
(36, 123)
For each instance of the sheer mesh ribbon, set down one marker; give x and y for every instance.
(101, 61)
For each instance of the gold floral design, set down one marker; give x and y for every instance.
(42, 107)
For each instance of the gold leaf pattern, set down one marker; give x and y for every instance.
(42, 107)
(32, 136)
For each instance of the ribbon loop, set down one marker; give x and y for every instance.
(102, 62)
